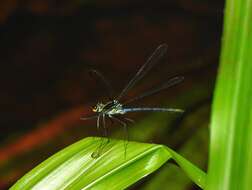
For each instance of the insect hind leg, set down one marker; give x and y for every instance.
(103, 141)
(123, 123)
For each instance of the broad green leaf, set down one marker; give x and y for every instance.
(169, 176)
(74, 168)
(230, 164)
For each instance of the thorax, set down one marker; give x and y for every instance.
(110, 108)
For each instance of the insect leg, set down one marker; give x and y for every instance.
(124, 124)
(98, 123)
(129, 120)
(89, 117)
(104, 127)
(97, 152)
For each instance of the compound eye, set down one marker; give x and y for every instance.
(94, 109)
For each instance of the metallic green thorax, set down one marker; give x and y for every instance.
(110, 108)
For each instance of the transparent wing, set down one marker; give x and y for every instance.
(104, 82)
(153, 59)
(173, 81)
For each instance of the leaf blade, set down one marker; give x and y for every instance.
(74, 168)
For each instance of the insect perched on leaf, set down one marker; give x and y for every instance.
(115, 110)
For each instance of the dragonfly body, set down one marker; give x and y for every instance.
(114, 109)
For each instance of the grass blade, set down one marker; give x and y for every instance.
(231, 124)
(74, 168)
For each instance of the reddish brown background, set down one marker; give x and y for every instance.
(47, 47)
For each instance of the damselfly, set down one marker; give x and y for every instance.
(114, 109)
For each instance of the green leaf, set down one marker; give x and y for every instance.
(169, 176)
(115, 168)
(230, 164)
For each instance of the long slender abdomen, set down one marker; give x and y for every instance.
(152, 109)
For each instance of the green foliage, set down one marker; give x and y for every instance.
(231, 125)
(74, 168)
(230, 141)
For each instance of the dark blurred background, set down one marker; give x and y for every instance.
(47, 48)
